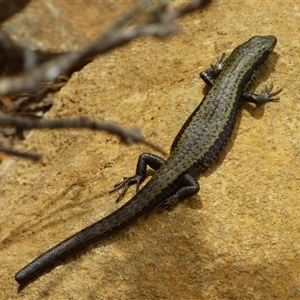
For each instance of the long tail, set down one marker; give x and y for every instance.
(106, 227)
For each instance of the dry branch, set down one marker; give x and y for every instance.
(159, 25)
(40, 68)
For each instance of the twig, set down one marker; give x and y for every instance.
(158, 25)
(46, 67)
(11, 7)
(31, 156)
(128, 136)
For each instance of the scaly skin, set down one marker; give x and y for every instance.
(199, 141)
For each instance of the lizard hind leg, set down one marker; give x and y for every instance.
(153, 161)
(189, 187)
(124, 185)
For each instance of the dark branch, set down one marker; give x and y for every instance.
(40, 68)
(128, 136)
(15, 55)
(159, 25)
(31, 156)
(11, 7)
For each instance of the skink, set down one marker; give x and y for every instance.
(200, 140)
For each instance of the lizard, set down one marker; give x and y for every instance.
(198, 143)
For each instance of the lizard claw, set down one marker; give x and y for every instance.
(267, 94)
(124, 185)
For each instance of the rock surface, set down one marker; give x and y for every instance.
(237, 239)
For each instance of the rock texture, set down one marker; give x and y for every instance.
(237, 239)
